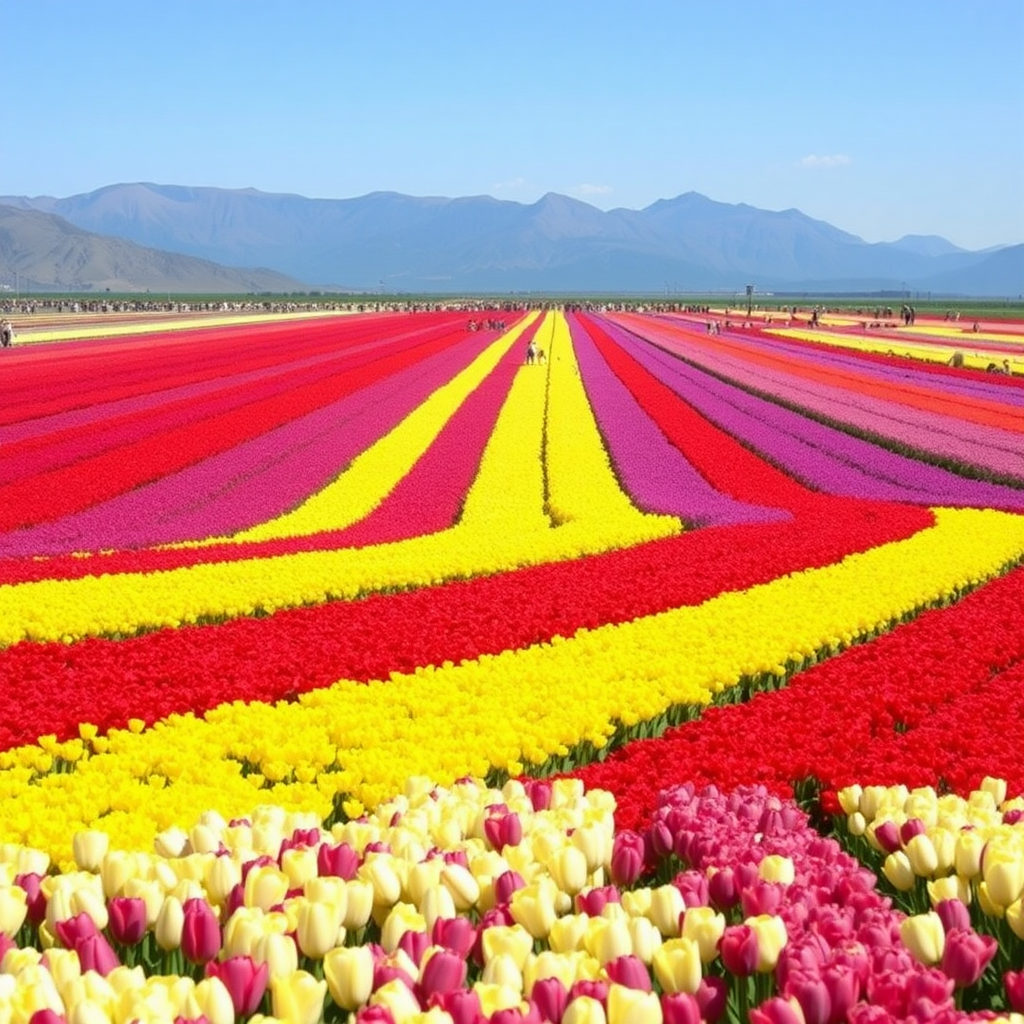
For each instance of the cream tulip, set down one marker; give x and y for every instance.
(924, 936)
(349, 974)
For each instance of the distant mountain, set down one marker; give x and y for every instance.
(399, 243)
(44, 252)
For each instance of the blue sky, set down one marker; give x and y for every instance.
(883, 117)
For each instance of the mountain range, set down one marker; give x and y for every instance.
(138, 236)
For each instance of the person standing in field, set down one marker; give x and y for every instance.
(6, 333)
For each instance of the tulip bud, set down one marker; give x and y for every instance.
(169, 924)
(584, 1010)
(924, 936)
(297, 998)
(200, 932)
(920, 851)
(349, 974)
(127, 919)
(244, 980)
(667, 906)
(317, 929)
(966, 954)
(633, 1006)
(771, 939)
(443, 971)
(677, 965)
(705, 927)
(898, 871)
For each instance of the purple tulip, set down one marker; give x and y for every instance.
(245, 980)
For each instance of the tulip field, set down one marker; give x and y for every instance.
(357, 668)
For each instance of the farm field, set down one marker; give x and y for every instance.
(589, 667)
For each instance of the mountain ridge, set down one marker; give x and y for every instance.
(395, 242)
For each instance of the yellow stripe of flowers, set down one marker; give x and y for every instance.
(374, 473)
(507, 496)
(504, 527)
(506, 710)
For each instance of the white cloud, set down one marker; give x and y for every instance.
(593, 190)
(838, 160)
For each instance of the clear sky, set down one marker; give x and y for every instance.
(882, 117)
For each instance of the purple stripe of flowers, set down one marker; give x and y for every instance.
(652, 470)
(80, 417)
(969, 443)
(825, 458)
(226, 395)
(995, 388)
(255, 481)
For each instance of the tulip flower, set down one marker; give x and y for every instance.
(667, 906)
(297, 998)
(443, 971)
(244, 979)
(550, 997)
(533, 907)
(953, 914)
(127, 919)
(633, 1006)
(35, 897)
(738, 949)
(886, 835)
(705, 927)
(777, 1010)
(898, 871)
(677, 965)
(628, 971)
(455, 933)
(723, 891)
(13, 909)
(811, 991)
(506, 885)
(627, 862)
(339, 861)
(924, 936)
(169, 924)
(584, 1010)
(96, 954)
(349, 974)
(1013, 982)
(966, 954)
(89, 849)
(200, 932)
(922, 855)
(771, 939)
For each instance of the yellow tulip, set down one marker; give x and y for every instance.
(298, 997)
(924, 936)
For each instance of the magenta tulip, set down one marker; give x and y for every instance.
(376, 1014)
(681, 1008)
(738, 948)
(627, 858)
(540, 792)
(1013, 981)
(443, 972)
(454, 933)
(513, 1015)
(776, 1011)
(953, 914)
(245, 980)
(200, 932)
(811, 991)
(595, 989)
(910, 828)
(550, 997)
(462, 1005)
(966, 955)
(73, 930)
(507, 883)
(127, 919)
(414, 944)
(36, 900)
(888, 836)
(339, 861)
(96, 954)
(712, 996)
(629, 971)
(723, 889)
(46, 1016)
(593, 901)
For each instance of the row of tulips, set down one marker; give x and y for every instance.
(937, 702)
(896, 411)
(349, 745)
(467, 903)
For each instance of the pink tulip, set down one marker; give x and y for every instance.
(200, 932)
(593, 901)
(36, 900)
(376, 1014)
(953, 914)
(201, 1019)
(550, 997)
(776, 1011)
(507, 883)
(513, 1015)
(738, 949)
(910, 828)
(595, 989)
(888, 836)
(127, 919)
(414, 944)
(540, 792)
(694, 887)
(245, 980)
(443, 972)
(462, 1005)
(627, 858)
(454, 933)
(1013, 981)
(73, 930)
(503, 829)
(339, 861)
(5, 945)
(629, 971)
(811, 992)
(966, 955)
(723, 890)
(763, 898)
(96, 954)
(46, 1016)
(681, 1008)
